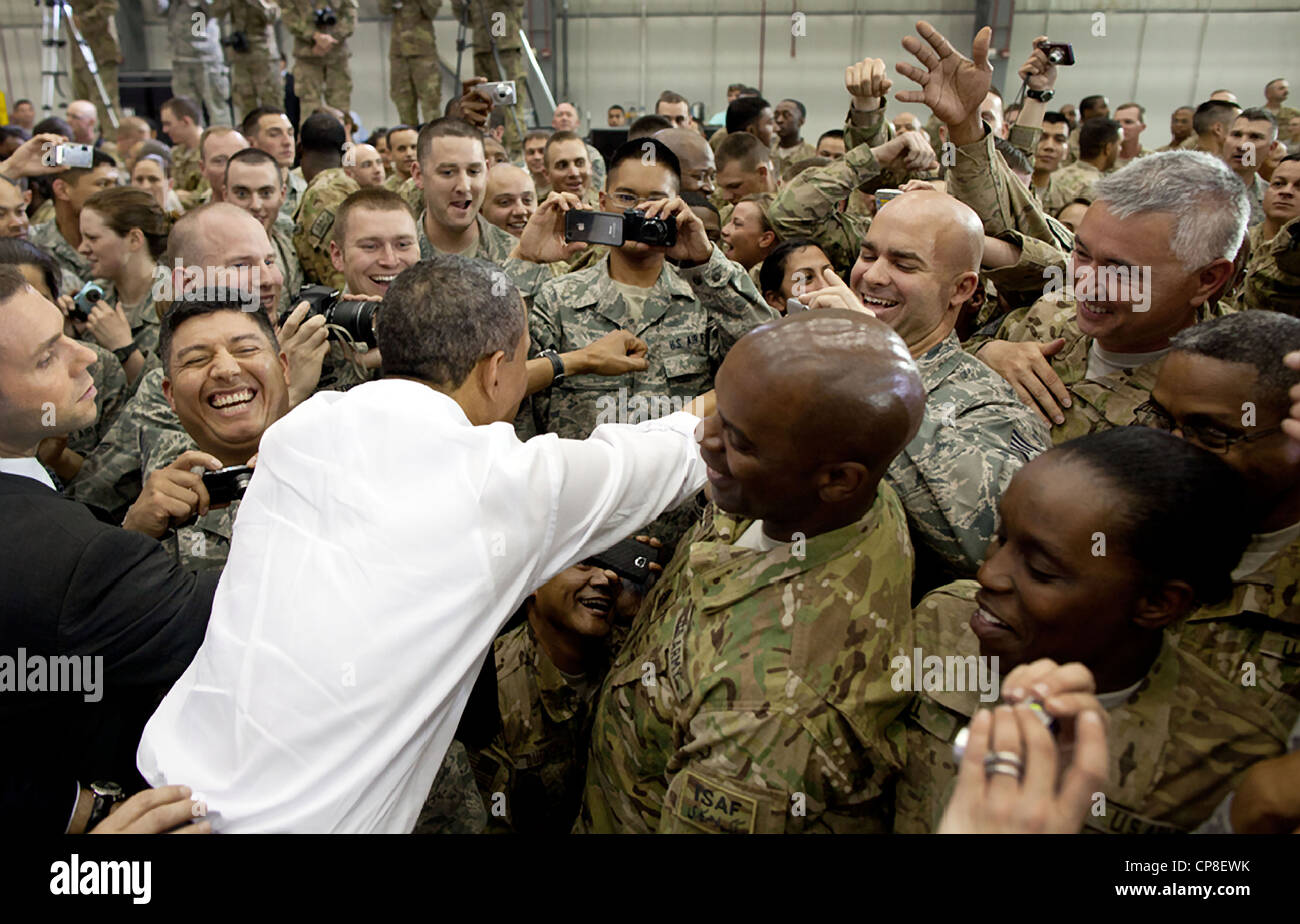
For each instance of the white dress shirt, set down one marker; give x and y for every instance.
(382, 544)
(27, 466)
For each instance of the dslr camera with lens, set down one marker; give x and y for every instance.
(616, 230)
(325, 17)
(355, 319)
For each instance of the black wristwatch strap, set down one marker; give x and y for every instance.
(1041, 96)
(557, 364)
(124, 353)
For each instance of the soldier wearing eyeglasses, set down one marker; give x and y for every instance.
(1224, 387)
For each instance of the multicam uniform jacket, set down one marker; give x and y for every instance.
(1177, 744)
(1273, 271)
(315, 226)
(753, 692)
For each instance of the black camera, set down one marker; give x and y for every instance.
(630, 559)
(326, 16)
(85, 300)
(356, 319)
(227, 485)
(616, 230)
(238, 42)
(1059, 53)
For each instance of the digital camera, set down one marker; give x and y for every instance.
(325, 16)
(356, 319)
(1059, 53)
(616, 230)
(78, 156)
(501, 92)
(227, 485)
(85, 300)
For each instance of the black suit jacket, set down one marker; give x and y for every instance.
(71, 585)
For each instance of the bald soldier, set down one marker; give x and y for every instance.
(699, 173)
(753, 692)
(918, 264)
(510, 199)
(364, 165)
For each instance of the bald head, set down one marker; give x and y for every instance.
(919, 264)
(83, 118)
(222, 235)
(695, 156)
(363, 163)
(812, 409)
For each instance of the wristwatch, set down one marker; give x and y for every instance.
(124, 353)
(106, 796)
(557, 364)
(1041, 96)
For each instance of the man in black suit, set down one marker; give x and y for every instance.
(96, 622)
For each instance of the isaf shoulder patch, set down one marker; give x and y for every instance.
(714, 808)
(320, 228)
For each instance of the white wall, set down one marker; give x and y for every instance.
(627, 51)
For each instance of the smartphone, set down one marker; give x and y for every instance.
(1059, 53)
(593, 227)
(629, 559)
(69, 155)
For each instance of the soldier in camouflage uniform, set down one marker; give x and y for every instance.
(96, 20)
(199, 71)
(60, 235)
(496, 23)
(143, 318)
(75, 267)
(415, 77)
(315, 225)
(1272, 279)
(753, 692)
(453, 805)
(321, 69)
(255, 71)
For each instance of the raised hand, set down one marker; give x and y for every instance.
(952, 85)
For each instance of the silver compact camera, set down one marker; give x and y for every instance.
(68, 155)
(501, 92)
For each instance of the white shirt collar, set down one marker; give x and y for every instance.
(28, 467)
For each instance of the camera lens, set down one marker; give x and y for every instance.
(357, 319)
(1056, 56)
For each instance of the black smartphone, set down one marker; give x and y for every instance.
(593, 227)
(629, 559)
(1059, 53)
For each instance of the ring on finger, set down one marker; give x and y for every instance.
(1003, 768)
(1004, 757)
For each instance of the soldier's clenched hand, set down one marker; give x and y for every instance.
(867, 83)
(615, 353)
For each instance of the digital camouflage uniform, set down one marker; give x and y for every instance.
(96, 20)
(199, 71)
(975, 435)
(202, 544)
(498, 22)
(286, 258)
(296, 185)
(327, 78)
(47, 235)
(753, 692)
(111, 394)
(145, 324)
(598, 174)
(315, 227)
(415, 78)
(538, 760)
(453, 805)
(1255, 195)
(1096, 404)
(1177, 745)
(1273, 272)
(256, 79)
(1259, 625)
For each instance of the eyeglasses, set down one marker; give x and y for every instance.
(627, 200)
(1208, 436)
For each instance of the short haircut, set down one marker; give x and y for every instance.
(1214, 112)
(1257, 338)
(182, 107)
(19, 102)
(154, 147)
(249, 125)
(126, 207)
(1056, 118)
(1091, 102)
(445, 127)
(668, 96)
(444, 314)
(15, 131)
(1175, 494)
(388, 137)
(833, 133)
(1191, 109)
(742, 147)
(616, 106)
(744, 111)
(792, 169)
(254, 157)
(536, 133)
(772, 272)
(52, 125)
(199, 304)
(375, 198)
(735, 87)
(12, 281)
(1142, 110)
(322, 133)
(1095, 134)
(376, 133)
(663, 156)
(17, 251)
(97, 159)
(803, 110)
(697, 200)
(560, 138)
(1013, 156)
(1266, 86)
(1259, 115)
(647, 125)
(1208, 202)
(212, 132)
